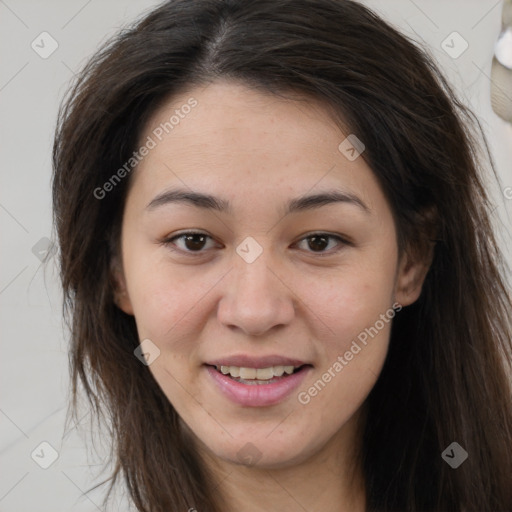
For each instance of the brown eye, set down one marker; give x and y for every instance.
(188, 242)
(194, 242)
(319, 242)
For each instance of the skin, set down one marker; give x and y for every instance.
(258, 151)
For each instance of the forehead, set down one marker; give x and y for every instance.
(228, 136)
(225, 113)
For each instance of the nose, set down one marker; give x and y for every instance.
(256, 299)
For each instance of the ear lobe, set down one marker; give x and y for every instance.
(120, 292)
(123, 302)
(411, 276)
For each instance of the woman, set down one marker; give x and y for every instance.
(283, 286)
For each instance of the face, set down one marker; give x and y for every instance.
(237, 279)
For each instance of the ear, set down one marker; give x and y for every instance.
(411, 273)
(120, 291)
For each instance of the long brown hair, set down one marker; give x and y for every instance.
(447, 373)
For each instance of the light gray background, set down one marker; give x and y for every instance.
(33, 372)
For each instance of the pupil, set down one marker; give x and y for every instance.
(191, 241)
(314, 240)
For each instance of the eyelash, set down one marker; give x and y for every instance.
(169, 242)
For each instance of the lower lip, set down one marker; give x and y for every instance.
(257, 395)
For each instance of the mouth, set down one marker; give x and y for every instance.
(258, 376)
(260, 382)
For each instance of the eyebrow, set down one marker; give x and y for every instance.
(299, 204)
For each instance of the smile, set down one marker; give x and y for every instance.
(257, 387)
(257, 375)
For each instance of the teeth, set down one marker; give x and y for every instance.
(234, 371)
(278, 370)
(247, 373)
(264, 373)
(256, 373)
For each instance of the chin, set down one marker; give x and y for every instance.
(259, 452)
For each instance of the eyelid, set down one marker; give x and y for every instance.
(343, 241)
(168, 242)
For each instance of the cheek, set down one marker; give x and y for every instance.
(359, 315)
(163, 309)
(340, 302)
(348, 301)
(164, 295)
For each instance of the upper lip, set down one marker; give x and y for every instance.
(246, 361)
